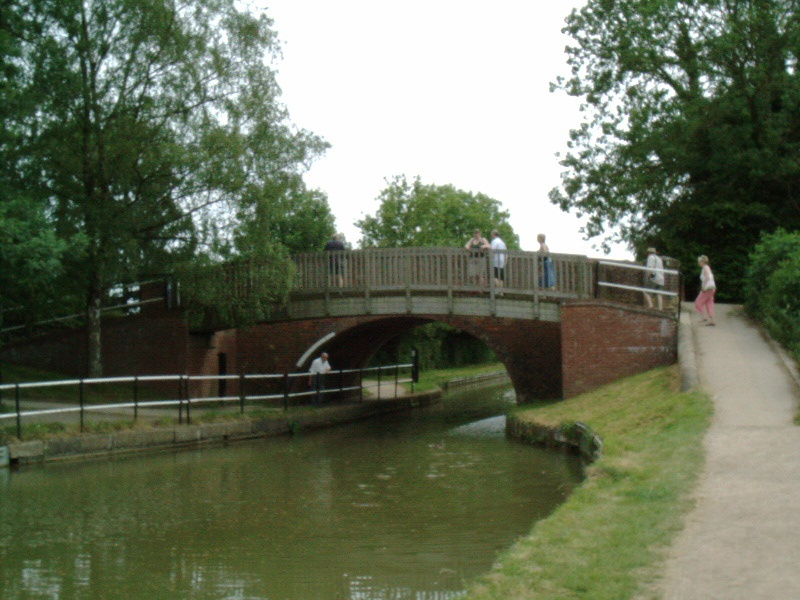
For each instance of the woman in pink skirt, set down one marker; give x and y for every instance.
(705, 299)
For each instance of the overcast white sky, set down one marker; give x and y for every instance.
(455, 91)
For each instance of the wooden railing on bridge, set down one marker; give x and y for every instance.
(442, 270)
(454, 272)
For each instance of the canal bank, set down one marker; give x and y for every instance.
(607, 541)
(177, 437)
(384, 398)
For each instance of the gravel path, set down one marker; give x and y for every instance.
(742, 540)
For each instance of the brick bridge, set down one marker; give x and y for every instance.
(557, 337)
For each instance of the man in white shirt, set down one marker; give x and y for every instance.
(654, 278)
(320, 367)
(499, 260)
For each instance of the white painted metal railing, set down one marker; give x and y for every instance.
(281, 389)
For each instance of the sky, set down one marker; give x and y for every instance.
(456, 92)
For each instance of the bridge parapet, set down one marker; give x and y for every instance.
(457, 281)
(443, 269)
(437, 281)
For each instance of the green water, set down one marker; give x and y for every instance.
(405, 507)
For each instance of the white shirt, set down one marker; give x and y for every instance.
(319, 366)
(655, 263)
(499, 248)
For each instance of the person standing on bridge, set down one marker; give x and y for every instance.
(708, 289)
(547, 276)
(317, 373)
(499, 260)
(476, 268)
(654, 278)
(336, 261)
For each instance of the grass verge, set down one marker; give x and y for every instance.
(609, 539)
(436, 378)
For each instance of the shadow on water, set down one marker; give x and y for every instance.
(409, 506)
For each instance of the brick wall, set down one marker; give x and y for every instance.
(594, 344)
(603, 342)
(135, 345)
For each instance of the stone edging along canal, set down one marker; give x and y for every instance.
(576, 437)
(186, 436)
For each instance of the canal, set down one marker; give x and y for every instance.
(410, 506)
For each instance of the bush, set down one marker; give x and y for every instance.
(773, 287)
(766, 258)
(782, 303)
(238, 292)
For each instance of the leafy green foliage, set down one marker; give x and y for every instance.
(290, 215)
(692, 127)
(413, 214)
(30, 261)
(440, 346)
(773, 286)
(424, 215)
(238, 292)
(148, 133)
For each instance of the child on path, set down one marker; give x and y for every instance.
(708, 288)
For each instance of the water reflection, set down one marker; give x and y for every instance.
(406, 507)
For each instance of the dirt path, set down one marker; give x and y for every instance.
(742, 540)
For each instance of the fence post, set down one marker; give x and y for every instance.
(80, 400)
(396, 376)
(379, 382)
(241, 392)
(361, 385)
(180, 399)
(19, 417)
(285, 392)
(188, 400)
(135, 398)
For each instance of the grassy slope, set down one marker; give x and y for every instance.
(436, 378)
(607, 540)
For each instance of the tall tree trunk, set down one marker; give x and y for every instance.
(94, 348)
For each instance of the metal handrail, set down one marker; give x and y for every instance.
(185, 399)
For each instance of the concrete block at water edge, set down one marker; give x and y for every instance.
(214, 431)
(271, 426)
(5, 459)
(188, 433)
(143, 439)
(26, 451)
(239, 429)
(86, 444)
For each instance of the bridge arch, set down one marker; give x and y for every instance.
(529, 350)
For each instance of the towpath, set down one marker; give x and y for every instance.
(742, 539)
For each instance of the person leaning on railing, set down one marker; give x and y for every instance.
(320, 367)
(336, 261)
(547, 279)
(499, 260)
(654, 278)
(476, 269)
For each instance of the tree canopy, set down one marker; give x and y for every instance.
(690, 140)
(427, 215)
(146, 132)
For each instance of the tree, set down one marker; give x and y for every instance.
(424, 215)
(289, 214)
(151, 121)
(693, 123)
(29, 250)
